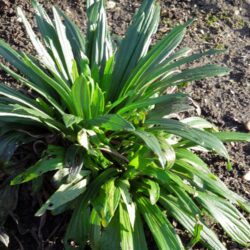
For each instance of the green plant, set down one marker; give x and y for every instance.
(118, 159)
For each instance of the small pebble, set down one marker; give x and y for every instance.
(111, 5)
(236, 12)
(247, 176)
(248, 125)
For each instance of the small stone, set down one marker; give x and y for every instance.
(247, 176)
(111, 5)
(236, 12)
(248, 125)
(174, 224)
(19, 19)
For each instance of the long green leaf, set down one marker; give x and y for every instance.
(75, 37)
(152, 143)
(100, 237)
(160, 227)
(165, 68)
(232, 221)
(107, 202)
(191, 158)
(42, 52)
(34, 86)
(176, 104)
(18, 97)
(198, 122)
(65, 44)
(99, 41)
(16, 112)
(63, 91)
(188, 220)
(64, 194)
(81, 97)
(203, 179)
(200, 137)
(81, 211)
(157, 54)
(188, 75)
(140, 242)
(112, 122)
(126, 231)
(124, 186)
(50, 37)
(153, 190)
(78, 228)
(168, 102)
(232, 136)
(52, 160)
(134, 46)
(16, 59)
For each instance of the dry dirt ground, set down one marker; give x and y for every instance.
(223, 24)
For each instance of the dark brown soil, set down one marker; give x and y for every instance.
(223, 101)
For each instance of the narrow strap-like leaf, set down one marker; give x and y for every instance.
(64, 194)
(202, 138)
(42, 52)
(161, 229)
(165, 68)
(134, 46)
(207, 179)
(232, 221)
(65, 44)
(63, 91)
(75, 37)
(34, 87)
(126, 231)
(189, 221)
(233, 136)
(16, 59)
(18, 97)
(152, 142)
(157, 54)
(99, 47)
(82, 97)
(53, 162)
(167, 101)
(17, 112)
(192, 74)
(81, 211)
(112, 122)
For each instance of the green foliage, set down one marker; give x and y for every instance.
(119, 161)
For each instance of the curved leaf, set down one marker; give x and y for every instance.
(202, 138)
(232, 221)
(193, 74)
(65, 193)
(134, 46)
(189, 221)
(232, 136)
(52, 160)
(99, 47)
(112, 122)
(77, 230)
(65, 44)
(160, 227)
(152, 143)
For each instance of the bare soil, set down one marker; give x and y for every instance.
(223, 101)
